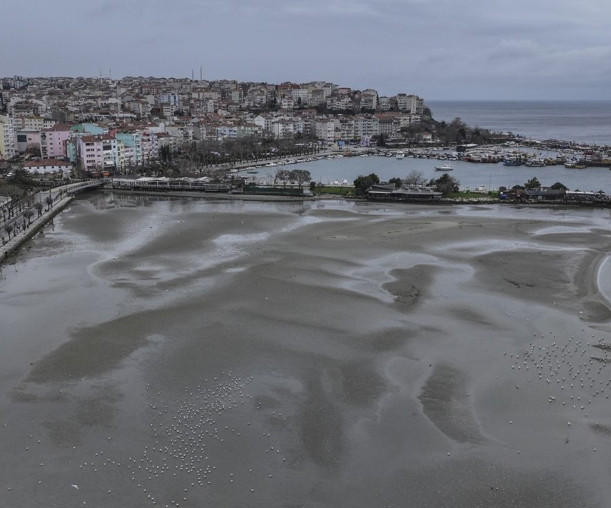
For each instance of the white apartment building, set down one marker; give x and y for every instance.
(325, 129)
(410, 103)
(33, 123)
(366, 126)
(369, 99)
(384, 103)
(301, 96)
(286, 103)
(346, 126)
(8, 141)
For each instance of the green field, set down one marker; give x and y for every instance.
(340, 190)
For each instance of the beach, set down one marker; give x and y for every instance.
(175, 352)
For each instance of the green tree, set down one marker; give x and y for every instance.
(533, 183)
(396, 181)
(362, 183)
(21, 179)
(38, 207)
(559, 186)
(446, 184)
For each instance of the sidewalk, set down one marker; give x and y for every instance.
(12, 245)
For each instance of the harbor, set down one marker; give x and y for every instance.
(337, 168)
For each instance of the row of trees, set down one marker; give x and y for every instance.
(446, 184)
(284, 176)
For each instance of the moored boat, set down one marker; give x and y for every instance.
(444, 167)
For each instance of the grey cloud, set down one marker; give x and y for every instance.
(436, 48)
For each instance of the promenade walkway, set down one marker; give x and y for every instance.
(23, 224)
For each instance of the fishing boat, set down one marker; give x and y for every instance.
(512, 160)
(444, 167)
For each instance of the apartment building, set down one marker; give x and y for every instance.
(8, 140)
(325, 129)
(366, 126)
(132, 147)
(53, 141)
(410, 103)
(100, 153)
(28, 140)
(369, 99)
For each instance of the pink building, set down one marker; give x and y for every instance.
(53, 141)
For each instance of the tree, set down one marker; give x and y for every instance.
(49, 201)
(28, 215)
(533, 183)
(301, 176)
(38, 207)
(559, 186)
(362, 183)
(446, 184)
(284, 175)
(9, 229)
(396, 181)
(415, 178)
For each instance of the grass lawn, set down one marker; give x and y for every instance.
(340, 190)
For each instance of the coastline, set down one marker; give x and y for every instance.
(12, 246)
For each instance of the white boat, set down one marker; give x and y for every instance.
(444, 167)
(400, 155)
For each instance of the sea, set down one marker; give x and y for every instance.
(575, 121)
(572, 121)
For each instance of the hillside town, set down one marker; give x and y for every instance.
(100, 126)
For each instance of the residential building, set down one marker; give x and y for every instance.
(325, 129)
(8, 141)
(53, 141)
(28, 140)
(100, 153)
(366, 125)
(369, 99)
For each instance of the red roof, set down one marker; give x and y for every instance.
(46, 162)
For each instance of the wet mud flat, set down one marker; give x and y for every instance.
(167, 352)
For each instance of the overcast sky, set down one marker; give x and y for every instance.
(438, 49)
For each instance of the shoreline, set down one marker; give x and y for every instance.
(12, 246)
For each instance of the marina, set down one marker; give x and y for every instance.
(339, 169)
